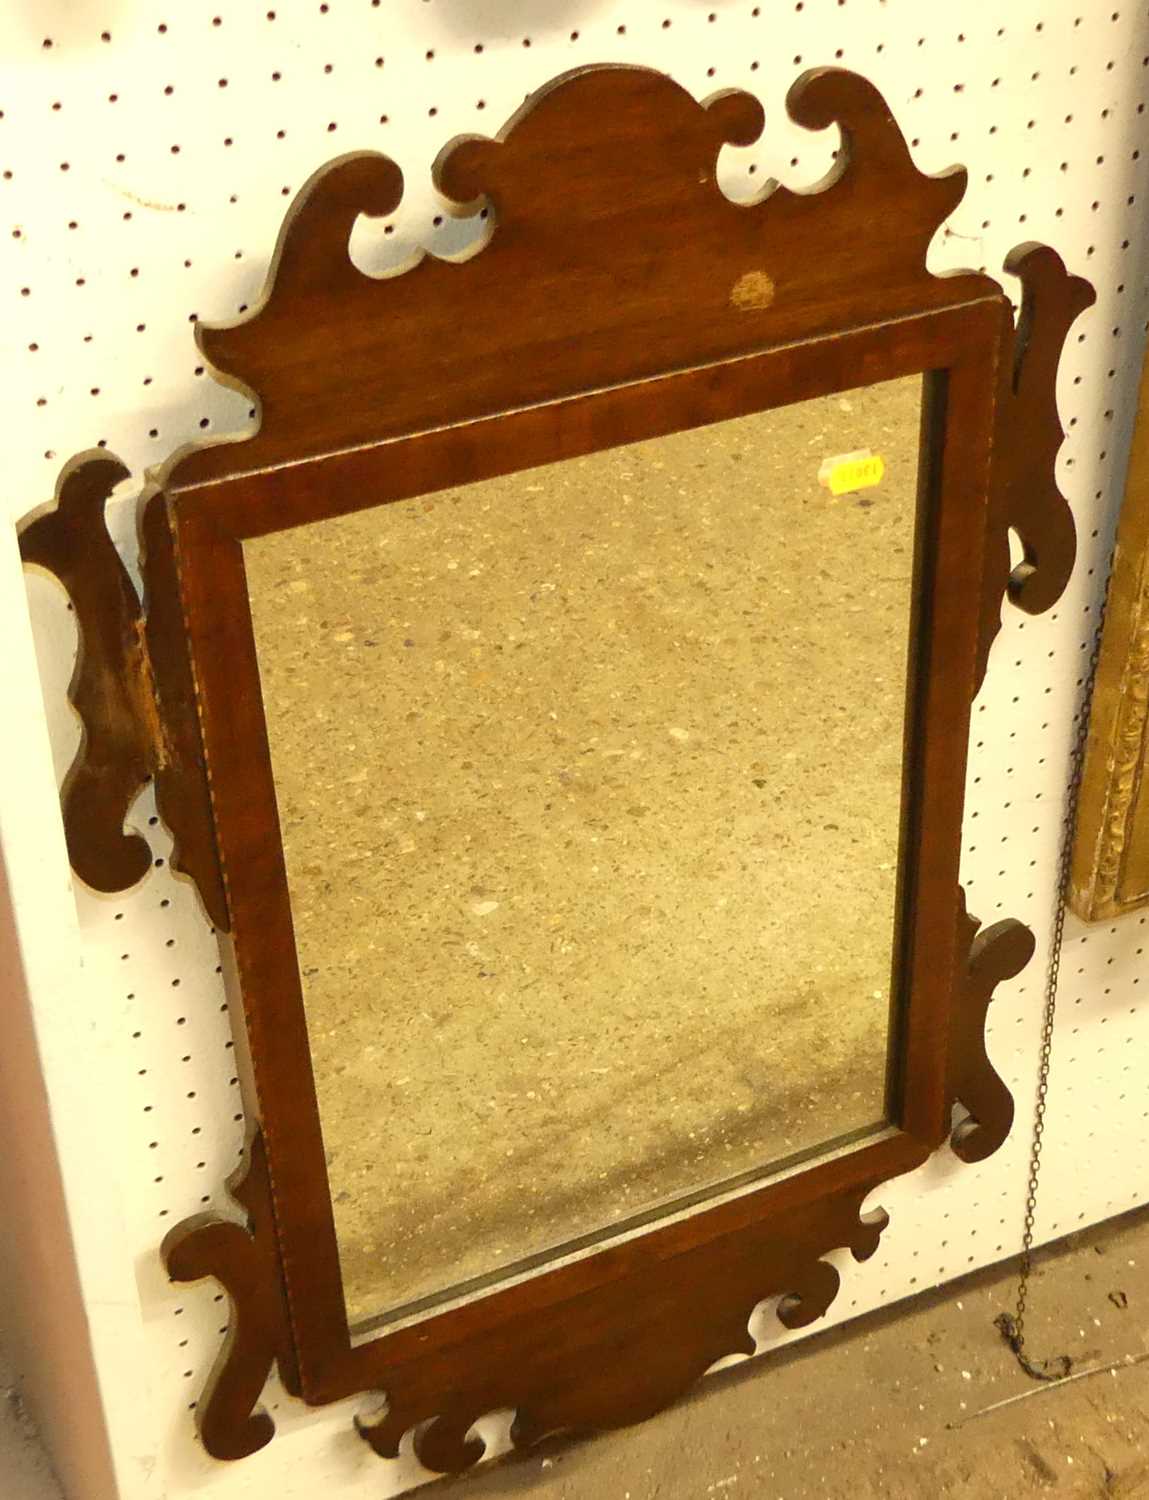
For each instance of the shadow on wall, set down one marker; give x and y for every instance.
(495, 20)
(47, 24)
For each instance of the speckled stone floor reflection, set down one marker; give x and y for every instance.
(589, 781)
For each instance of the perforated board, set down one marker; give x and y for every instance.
(147, 154)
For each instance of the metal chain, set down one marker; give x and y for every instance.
(1012, 1326)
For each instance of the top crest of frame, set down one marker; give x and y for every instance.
(628, 262)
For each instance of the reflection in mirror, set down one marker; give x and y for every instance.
(590, 783)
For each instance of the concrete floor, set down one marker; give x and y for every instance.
(25, 1469)
(589, 780)
(898, 1405)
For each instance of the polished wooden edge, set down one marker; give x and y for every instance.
(244, 1260)
(962, 338)
(923, 342)
(545, 1383)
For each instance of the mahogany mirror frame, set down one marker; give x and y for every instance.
(621, 296)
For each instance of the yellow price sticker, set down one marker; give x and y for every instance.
(848, 472)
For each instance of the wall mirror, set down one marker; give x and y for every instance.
(560, 703)
(497, 718)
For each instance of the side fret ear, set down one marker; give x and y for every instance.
(1025, 497)
(613, 256)
(230, 1422)
(111, 687)
(131, 689)
(995, 954)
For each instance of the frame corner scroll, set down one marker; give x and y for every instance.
(1109, 873)
(183, 792)
(230, 1421)
(1027, 499)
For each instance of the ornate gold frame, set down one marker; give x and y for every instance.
(1110, 870)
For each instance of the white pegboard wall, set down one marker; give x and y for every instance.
(148, 152)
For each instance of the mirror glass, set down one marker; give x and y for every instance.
(590, 786)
